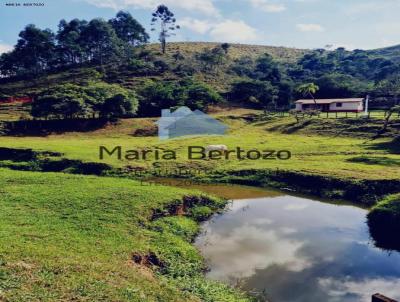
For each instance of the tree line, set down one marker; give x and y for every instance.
(76, 42)
(96, 100)
(114, 48)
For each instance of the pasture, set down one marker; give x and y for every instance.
(354, 157)
(84, 238)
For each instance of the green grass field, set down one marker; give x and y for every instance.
(316, 154)
(74, 238)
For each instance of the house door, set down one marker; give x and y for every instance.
(325, 107)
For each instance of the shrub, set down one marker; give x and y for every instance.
(201, 213)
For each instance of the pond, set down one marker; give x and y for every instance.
(294, 248)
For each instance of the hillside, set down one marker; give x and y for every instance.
(337, 73)
(284, 54)
(392, 53)
(131, 78)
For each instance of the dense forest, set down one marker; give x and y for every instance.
(128, 76)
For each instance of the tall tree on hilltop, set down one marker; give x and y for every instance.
(225, 47)
(70, 45)
(167, 24)
(129, 29)
(101, 42)
(34, 51)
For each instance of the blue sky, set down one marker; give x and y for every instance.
(353, 24)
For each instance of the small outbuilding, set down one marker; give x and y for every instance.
(184, 121)
(331, 105)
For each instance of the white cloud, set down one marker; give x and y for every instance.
(262, 249)
(233, 31)
(361, 289)
(203, 6)
(268, 6)
(310, 27)
(5, 48)
(198, 26)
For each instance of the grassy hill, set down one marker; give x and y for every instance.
(167, 68)
(284, 54)
(132, 79)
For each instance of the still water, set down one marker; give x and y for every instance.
(291, 248)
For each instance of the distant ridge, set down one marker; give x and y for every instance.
(391, 52)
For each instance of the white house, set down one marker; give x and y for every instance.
(332, 105)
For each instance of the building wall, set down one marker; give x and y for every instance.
(349, 107)
(353, 106)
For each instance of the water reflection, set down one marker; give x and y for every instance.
(297, 249)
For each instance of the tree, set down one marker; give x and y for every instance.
(70, 45)
(34, 51)
(285, 94)
(178, 56)
(9, 65)
(101, 42)
(254, 92)
(309, 89)
(197, 95)
(129, 29)
(118, 105)
(244, 66)
(188, 92)
(225, 47)
(388, 116)
(267, 69)
(167, 24)
(156, 96)
(71, 101)
(389, 88)
(337, 85)
(211, 58)
(110, 100)
(65, 101)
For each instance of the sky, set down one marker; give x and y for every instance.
(361, 24)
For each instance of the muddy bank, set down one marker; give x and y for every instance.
(366, 192)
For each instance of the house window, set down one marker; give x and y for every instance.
(339, 104)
